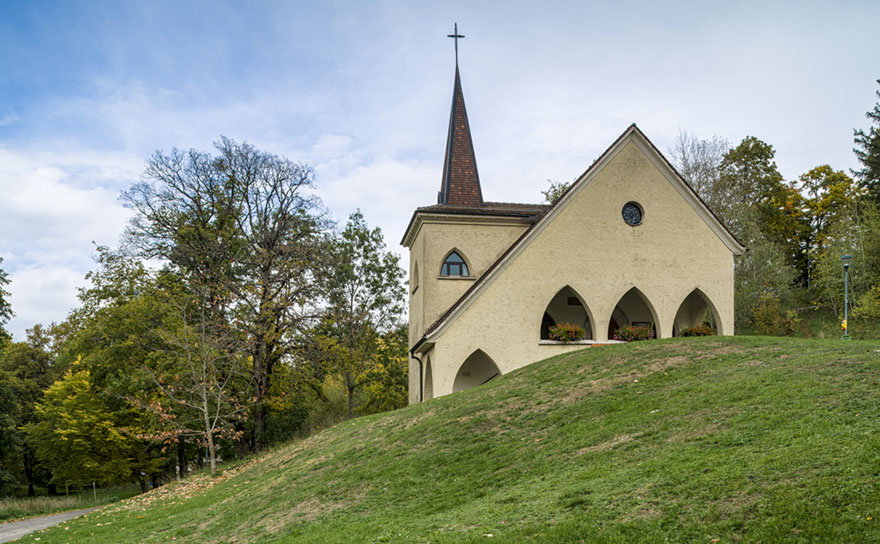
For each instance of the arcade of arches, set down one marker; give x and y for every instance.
(567, 306)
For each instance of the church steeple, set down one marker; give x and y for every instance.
(461, 181)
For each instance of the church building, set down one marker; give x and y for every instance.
(629, 243)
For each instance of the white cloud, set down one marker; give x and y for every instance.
(54, 206)
(42, 294)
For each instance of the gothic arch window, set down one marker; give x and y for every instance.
(634, 309)
(566, 306)
(454, 265)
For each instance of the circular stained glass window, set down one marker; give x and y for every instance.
(632, 214)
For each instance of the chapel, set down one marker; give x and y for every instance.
(629, 243)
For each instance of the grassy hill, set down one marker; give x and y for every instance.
(689, 440)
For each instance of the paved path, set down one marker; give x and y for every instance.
(17, 529)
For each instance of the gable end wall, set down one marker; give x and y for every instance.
(589, 247)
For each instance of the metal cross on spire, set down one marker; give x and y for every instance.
(455, 35)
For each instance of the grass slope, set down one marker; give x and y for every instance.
(687, 440)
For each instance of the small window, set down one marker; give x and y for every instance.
(454, 265)
(632, 214)
(415, 278)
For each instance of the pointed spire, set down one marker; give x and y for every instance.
(461, 181)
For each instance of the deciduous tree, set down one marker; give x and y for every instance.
(749, 194)
(555, 190)
(819, 199)
(699, 163)
(5, 308)
(30, 369)
(160, 342)
(244, 224)
(365, 302)
(82, 438)
(9, 412)
(199, 371)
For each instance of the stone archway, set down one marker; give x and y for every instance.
(696, 309)
(476, 370)
(567, 306)
(634, 309)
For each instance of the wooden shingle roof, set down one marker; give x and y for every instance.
(460, 186)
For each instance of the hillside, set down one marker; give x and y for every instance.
(689, 440)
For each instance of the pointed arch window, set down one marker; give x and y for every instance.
(454, 265)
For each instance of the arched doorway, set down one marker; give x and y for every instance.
(476, 370)
(696, 309)
(567, 306)
(429, 380)
(634, 309)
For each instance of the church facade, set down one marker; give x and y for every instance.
(629, 243)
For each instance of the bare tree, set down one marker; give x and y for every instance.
(699, 162)
(244, 225)
(199, 373)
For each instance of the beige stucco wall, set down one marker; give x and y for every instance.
(589, 247)
(479, 241)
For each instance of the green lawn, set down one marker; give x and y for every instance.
(745, 439)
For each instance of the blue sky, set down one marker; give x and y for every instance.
(360, 91)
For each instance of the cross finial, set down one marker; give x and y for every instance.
(455, 35)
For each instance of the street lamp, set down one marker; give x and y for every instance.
(846, 260)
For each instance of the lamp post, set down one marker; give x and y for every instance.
(846, 260)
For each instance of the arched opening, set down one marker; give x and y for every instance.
(633, 309)
(476, 370)
(695, 310)
(566, 307)
(429, 380)
(454, 265)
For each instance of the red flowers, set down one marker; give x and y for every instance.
(566, 332)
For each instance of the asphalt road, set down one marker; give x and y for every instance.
(17, 529)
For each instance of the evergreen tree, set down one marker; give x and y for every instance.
(867, 150)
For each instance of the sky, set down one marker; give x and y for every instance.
(360, 91)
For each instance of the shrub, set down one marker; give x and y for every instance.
(869, 305)
(770, 319)
(567, 332)
(699, 330)
(629, 333)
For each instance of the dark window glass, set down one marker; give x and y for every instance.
(632, 214)
(454, 265)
